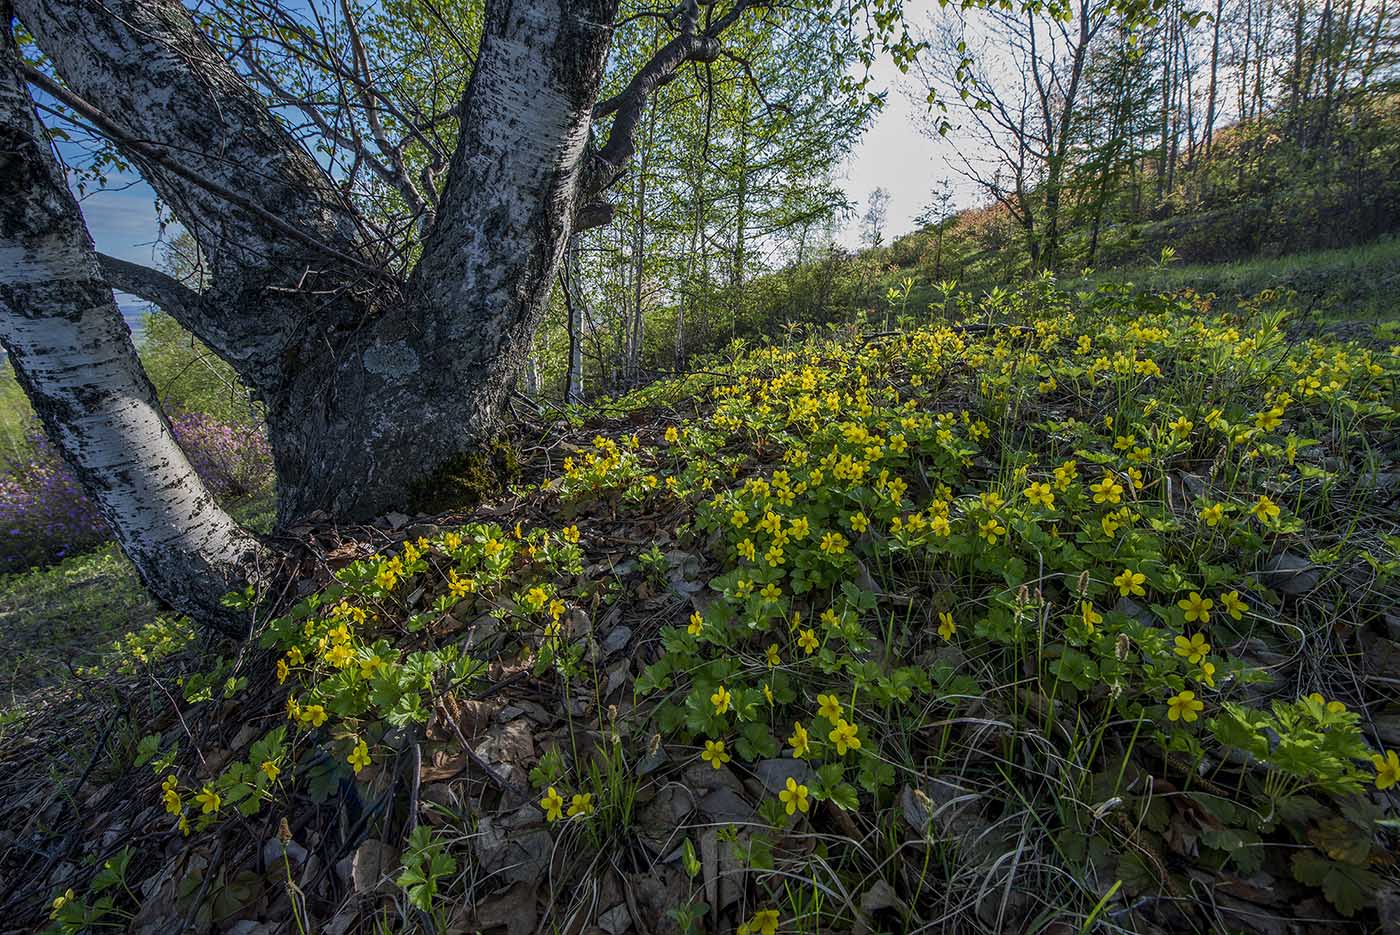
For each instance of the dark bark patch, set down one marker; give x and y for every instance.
(464, 481)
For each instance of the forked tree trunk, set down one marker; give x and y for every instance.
(73, 355)
(375, 386)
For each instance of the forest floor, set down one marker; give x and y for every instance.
(1080, 619)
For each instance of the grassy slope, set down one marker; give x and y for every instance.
(1042, 760)
(54, 617)
(1346, 284)
(1357, 283)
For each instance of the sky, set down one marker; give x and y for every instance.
(894, 154)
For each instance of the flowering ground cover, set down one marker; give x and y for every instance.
(1079, 618)
(46, 517)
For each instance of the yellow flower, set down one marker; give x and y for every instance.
(1213, 514)
(771, 592)
(339, 655)
(697, 623)
(1387, 770)
(800, 741)
(67, 897)
(359, 757)
(282, 671)
(772, 655)
(208, 799)
(714, 753)
(553, 804)
(1193, 650)
(1130, 582)
(1107, 490)
(739, 519)
(1265, 509)
(833, 543)
(1064, 475)
(808, 641)
(452, 541)
(990, 529)
(946, 626)
(314, 714)
(271, 769)
(794, 797)
(1332, 707)
(721, 699)
(1124, 442)
(844, 736)
(767, 693)
(1197, 608)
(1181, 427)
(581, 804)
(386, 579)
(535, 598)
(829, 707)
(1234, 605)
(1110, 524)
(1268, 421)
(1090, 616)
(672, 436)
(171, 796)
(1183, 706)
(1208, 673)
(1039, 493)
(859, 523)
(459, 587)
(764, 922)
(799, 528)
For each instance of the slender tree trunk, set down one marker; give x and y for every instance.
(741, 217)
(573, 307)
(73, 356)
(1214, 73)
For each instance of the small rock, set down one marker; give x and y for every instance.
(618, 675)
(481, 631)
(272, 853)
(617, 640)
(1392, 626)
(422, 531)
(652, 762)
(396, 520)
(514, 846)
(1290, 574)
(1195, 484)
(373, 866)
(616, 920)
(725, 805)
(774, 773)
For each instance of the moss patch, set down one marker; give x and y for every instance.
(464, 481)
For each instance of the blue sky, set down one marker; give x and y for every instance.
(123, 224)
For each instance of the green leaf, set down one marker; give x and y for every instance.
(1346, 887)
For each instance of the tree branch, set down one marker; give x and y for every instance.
(689, 45)
(176, 299)
(155, 156)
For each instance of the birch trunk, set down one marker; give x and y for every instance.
(73, 355)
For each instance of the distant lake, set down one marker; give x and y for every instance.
(134, 313)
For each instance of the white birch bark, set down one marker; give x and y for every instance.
(73, 354)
